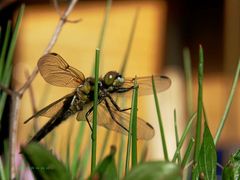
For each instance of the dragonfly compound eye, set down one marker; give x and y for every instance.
(110, 77)
(118, 81)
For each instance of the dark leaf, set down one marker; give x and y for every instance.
(207, 160)
(232, 169)
(158, 170)
(43, 164)
(107, 168)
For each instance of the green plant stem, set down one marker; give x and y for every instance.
(120, 157)
(103, 29)
(70, 129)
(132, 135)
(105, 141)
(188, 75)
(95, 103)
(130, 40)
(187, 153)
(160, 121)
(2, 175)
(78, 140)
(84, 161)
(184, 135)
(15, 100)
(133, 120)
(229, 102)
(176, 134)
(199, 108)
(4, 48)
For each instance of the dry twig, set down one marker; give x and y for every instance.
(17, 95)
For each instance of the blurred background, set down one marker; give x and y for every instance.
(163, 30)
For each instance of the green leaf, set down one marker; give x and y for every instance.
(107, 168)
(232, 169)
(208, 157)
(161, 128)
(2, 173)
(77, 145)
(95, 103)
(43, 164)
(159, 170)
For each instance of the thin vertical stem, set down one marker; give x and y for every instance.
(187, 153)
(188, 76)
(94, 124)
(183, 137)
(176, 134)
(130, 40)
(229, 102)
(200, 102)
(165, 152)
(133, 120)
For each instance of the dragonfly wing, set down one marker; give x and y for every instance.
(144, 130)
(51, 109)
(56, 71)
(162, 83)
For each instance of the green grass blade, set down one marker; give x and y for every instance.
(4, 48)
(200, 106)
(13, 41)
(120, 157)
(3, 98)
(207, 160)
(176, 135)
(130, 133)
(143, 154)
(78, 141)
(160, 121)
(6, 77)
(188, 76)
(187, 153)
(160, 170)
(130, 40)
(228, 105)
(42, 162)
(70, 129)
(133, 120)
(232, 168)
(105, 141)
(84, 161)
(184, 135)
(103, 29)
(95, 103)
(106, 169)
(6, 158)
(129, 144)
(2, 174)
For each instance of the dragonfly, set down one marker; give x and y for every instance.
(56, 71)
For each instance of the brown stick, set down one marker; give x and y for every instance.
(16, 99)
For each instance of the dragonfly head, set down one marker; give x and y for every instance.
(113, 78)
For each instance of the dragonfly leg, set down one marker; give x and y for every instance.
(86, 116)
(89, 112)
(123, 90)
(116, 105)
(113, 117)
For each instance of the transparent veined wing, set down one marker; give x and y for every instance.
(56, 71)
(144, 130)
(52, 109)
(162, 83)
